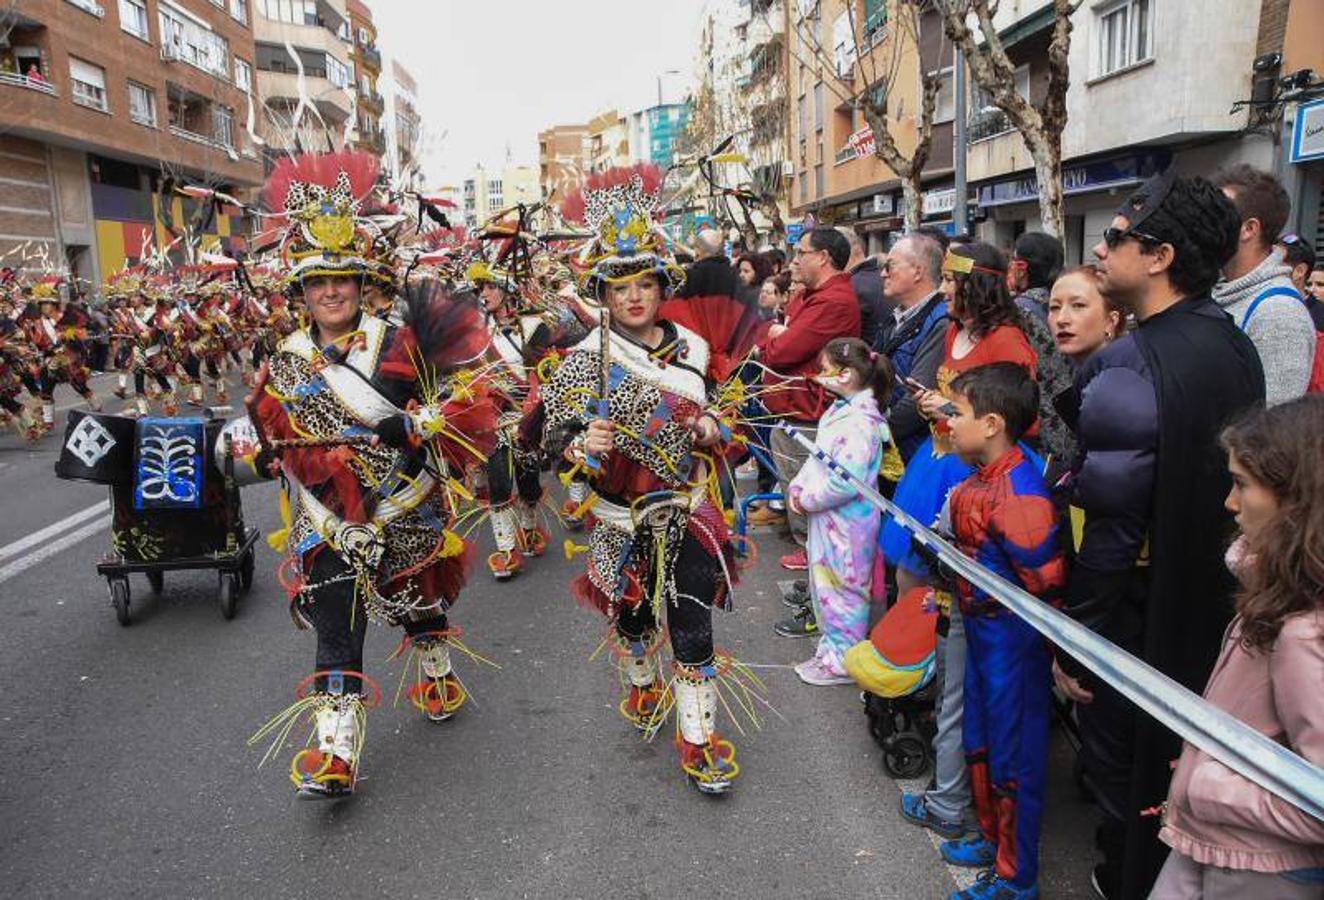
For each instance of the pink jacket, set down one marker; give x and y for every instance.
(1215, 816)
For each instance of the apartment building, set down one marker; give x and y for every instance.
(608, 141)
(486, 192)
(99, 104)
(563, 154)
(370, 105)
(319, 33)
(831, 51)
(403, 125)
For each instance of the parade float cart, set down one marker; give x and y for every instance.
(172, 509)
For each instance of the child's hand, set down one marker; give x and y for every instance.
(793, 503)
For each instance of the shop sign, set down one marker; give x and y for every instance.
(794, 231)
(937, 203)
(1308, 132)
(862, 143)
(1079, 179)
(883, 205)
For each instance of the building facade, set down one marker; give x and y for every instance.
(101, 106)
(403, 126)
(369, 106)
(319, 33)
(563, 155)
(486, 192)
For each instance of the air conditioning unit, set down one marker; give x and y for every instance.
(788, 169)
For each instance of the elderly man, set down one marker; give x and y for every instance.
(827, 308)
(912, 338)
(712, 274)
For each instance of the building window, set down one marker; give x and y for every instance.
(804, 186)
(239, 11)
(89, 84)
(223, 125)
(944, 109)
(142, 104)
(243, 75)
(295, 12)
(133, 18)
(818, 106)
(818, 182)
(338, 73)
(494, 187)
(185, 38)
(90, 6)
(365, 38)
(1124, 35)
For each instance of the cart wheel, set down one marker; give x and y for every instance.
(905, 757)
(157, 581)
(246, 570)
(229, 594)
(119, 598)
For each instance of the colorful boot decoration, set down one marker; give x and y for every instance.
(708, 760)
(438, 694)
(506, 561)
(532, 537)
(644, 704)
(577, 492)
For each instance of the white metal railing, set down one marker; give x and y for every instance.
(90, 6)
(23, 81)
(196, 138)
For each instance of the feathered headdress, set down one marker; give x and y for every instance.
(618, 206)
(319, 197)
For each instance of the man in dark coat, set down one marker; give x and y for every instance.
(712, 274)
(866, 276)
(1151, 481)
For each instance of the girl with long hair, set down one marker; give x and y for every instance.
(1229, 836)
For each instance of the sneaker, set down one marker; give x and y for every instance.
(917, 812)
(796, 561)
(802, 624)
(812, 671)
(798, 596)
(765, 516)
(970, 853)
(991, 886)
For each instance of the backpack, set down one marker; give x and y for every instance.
(1316, 384)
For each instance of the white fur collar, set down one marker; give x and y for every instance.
(675, 379)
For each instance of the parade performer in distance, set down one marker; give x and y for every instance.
(630, 405)
(514, 486)
(370, 439)
(58, 330)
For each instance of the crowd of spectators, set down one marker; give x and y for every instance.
(1097, 434)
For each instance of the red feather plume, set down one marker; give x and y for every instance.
(572, 208)
(323, 169)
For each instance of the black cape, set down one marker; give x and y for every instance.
(1206, 373)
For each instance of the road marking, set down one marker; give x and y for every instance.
(22, 564)
(24, 544)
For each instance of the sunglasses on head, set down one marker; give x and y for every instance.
(1113, 237)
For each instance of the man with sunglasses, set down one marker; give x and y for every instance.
(1257, 291)
(1150, 481)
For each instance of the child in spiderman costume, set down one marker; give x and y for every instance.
(1002, 517)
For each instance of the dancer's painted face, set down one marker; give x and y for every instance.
(634, 303)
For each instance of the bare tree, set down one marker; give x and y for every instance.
(880, 60)
(992, 69)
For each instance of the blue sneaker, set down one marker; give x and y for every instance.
(992, 887)
(972, 853)
(916, 812)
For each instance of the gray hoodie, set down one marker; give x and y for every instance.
(1280, 328)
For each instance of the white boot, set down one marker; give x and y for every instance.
(440, 695)
(708, 760)
(507, 560)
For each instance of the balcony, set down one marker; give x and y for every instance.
(372, 100)
(369, 55)
(373, 139)
(194, 137)
(987, 123)
(40, 85)
(332, 102)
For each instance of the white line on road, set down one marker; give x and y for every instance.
(22, 564)
(24, 544)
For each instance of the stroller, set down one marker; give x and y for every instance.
(895, 669)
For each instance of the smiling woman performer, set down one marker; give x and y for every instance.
(354, 408)
(658, 544)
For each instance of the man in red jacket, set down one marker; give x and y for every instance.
(826, 309)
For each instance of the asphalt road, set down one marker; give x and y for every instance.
(125, 771)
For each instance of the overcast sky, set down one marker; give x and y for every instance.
(493, 73)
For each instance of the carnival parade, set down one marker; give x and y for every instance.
(669, 516)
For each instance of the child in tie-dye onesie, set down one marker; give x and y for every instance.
(843, 526)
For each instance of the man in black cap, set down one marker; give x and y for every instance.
(1151, 480)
